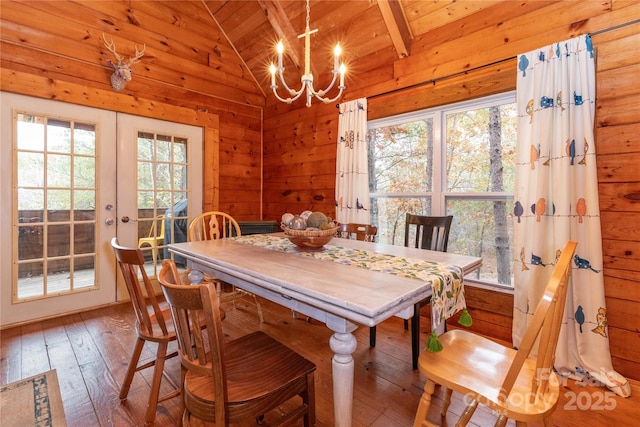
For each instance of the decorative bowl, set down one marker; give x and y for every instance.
(310, 240)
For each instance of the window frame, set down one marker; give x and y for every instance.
(439, 194)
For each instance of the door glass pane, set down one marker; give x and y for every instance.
(162, 185)
(84, 139)
(84, 172)
(58, 136)
(30, 169)
(55, 199)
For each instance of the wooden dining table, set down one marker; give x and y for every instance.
(340, 296)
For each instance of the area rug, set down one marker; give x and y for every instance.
(33, 401)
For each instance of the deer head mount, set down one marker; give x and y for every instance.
(122, 74)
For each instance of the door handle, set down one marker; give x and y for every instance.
(109, 221)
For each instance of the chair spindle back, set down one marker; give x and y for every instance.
(431, 232)
(201, 353)
(213, 225)
(131, 261)
(545, 324)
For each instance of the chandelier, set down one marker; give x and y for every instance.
(307, 77)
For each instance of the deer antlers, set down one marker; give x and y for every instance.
(111, 46)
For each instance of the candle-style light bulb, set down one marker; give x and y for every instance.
(272, 70)
(280, 50)
(336, 54)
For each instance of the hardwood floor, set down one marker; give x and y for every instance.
(90, 352)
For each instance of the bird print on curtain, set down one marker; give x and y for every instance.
(556, 199)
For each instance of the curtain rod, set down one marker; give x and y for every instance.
(615, 27)
(448, 76)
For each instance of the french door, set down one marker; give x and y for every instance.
(163, 160)
(71, 179)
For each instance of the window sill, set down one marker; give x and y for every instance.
(489, 286)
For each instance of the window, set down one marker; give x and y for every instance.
(455, 160)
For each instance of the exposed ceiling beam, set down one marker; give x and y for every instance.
(286, 32)
(397, 25)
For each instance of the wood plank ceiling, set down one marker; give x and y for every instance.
(372, 33)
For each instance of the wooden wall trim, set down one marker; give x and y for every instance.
(58, 90)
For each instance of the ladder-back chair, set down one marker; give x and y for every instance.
(511, 382)
(153, 324)
(238, 380)
(363, 232)
(431, 232)
(422, 232)
(215, 225)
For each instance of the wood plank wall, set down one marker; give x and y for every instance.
(53, 50)
(189, 74)
(299, 143)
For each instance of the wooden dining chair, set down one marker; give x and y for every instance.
(153, 324)
(215, 225)
(513, 383)
(422, 232)
(427, 232)
(238, 380)
(364, 232)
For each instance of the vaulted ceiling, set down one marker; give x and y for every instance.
(372, 33)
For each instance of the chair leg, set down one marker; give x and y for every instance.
(155, 384)
(372, 336)
(186, 422)
(259, 306)
(423, 406)
(446, 402)
(502, 422)
(131, 370)
(154, 255)
(415, 335)
(183, 376)
(310, 417)
(467, 413)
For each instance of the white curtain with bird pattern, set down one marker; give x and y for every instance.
(352, 171)
(556, 199)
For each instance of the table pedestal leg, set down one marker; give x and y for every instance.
(343, 345)
(195, 277)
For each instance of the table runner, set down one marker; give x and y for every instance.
(446, 280)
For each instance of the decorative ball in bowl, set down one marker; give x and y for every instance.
(310, 239)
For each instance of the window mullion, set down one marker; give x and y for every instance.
(440, 167)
